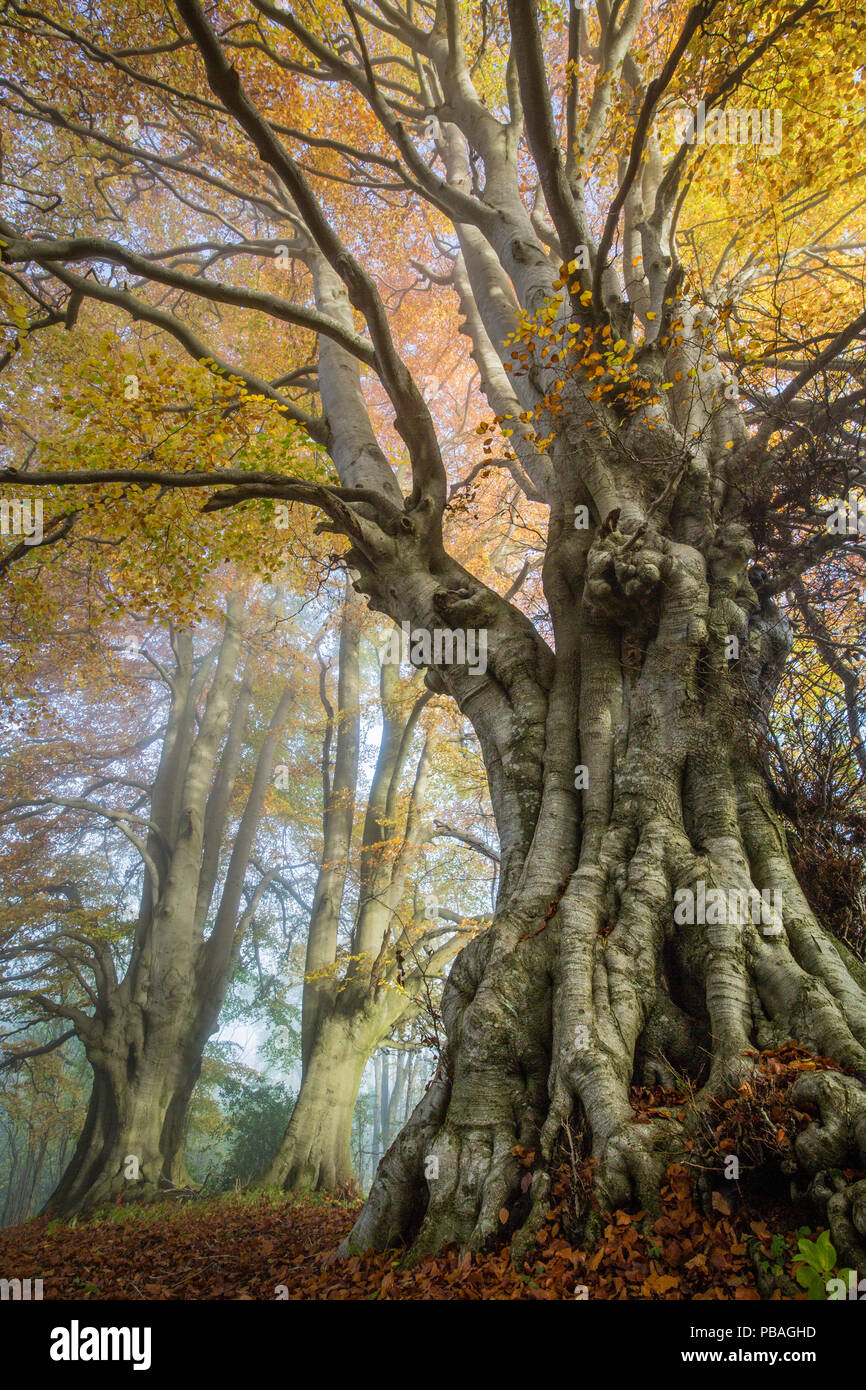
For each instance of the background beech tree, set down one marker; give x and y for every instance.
(397, 945)
(142, 997)
(72, 770)
(669, 337)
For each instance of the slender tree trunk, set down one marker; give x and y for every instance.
(410, 1080)
(377, 1107)
(397, 1090)
(345, 1018)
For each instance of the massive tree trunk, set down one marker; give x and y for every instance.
(127, 1147)
(587, 983)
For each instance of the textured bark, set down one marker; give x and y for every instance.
(587, 939)
(128, 1146)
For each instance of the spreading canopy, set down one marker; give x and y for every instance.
(647, 216)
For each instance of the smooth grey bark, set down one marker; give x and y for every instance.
(338, 816)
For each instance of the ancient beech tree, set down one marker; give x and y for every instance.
(540, 159)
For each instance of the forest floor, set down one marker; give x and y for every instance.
(736, 1241)
(265, 1247)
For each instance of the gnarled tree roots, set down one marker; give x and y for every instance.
(674, 948)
